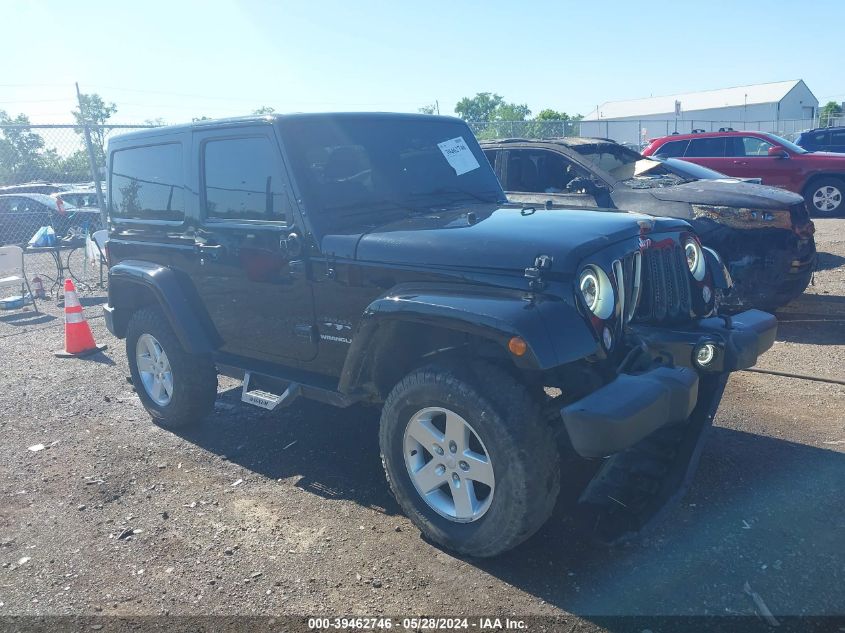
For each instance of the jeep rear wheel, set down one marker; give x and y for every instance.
(176, 388)
(470, 459)
(824, 197)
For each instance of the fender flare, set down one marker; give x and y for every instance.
(721, 276)
(171, 297)
(493, 314)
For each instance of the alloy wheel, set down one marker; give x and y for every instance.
(154, 368)
(448, 464)
(827, 198)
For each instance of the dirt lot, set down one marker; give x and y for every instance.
(289, 513)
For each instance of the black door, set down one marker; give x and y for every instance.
(247, 272)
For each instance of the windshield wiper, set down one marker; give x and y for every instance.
(455, 190)
(364, 207)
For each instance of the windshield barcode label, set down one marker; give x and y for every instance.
(459, 155)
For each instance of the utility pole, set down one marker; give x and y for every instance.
(437, 105)
(92, 161)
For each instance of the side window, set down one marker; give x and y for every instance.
(816, 139)
(147, 184)
(672, 149)
(753, 146)
(538, 171)
(837, 138)
(706, 147)
(244, 180)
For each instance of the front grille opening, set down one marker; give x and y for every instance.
(665, 291)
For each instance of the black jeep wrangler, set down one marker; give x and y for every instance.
(372, 258)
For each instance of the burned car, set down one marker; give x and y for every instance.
(373, 258)
(764, 233)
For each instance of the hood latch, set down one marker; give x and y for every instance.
(534, 274)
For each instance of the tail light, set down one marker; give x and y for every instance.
(60, 205)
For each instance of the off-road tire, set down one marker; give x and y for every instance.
(194, 375)
(520, 442)
(819, 183)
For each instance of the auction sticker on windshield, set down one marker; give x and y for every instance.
(459, 155)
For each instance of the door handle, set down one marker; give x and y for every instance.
(208, 248)
(740, 162)
(210, 251)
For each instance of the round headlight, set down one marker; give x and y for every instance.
(597, 291)
(695, 259)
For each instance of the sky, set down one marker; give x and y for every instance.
(177, 60)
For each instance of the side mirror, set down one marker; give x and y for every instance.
(778, 152)
(291, 246)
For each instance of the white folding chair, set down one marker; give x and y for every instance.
(100, 238)
(12, 272)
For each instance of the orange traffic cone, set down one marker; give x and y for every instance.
(78, 338)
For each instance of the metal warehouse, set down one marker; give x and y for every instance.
(784, 107)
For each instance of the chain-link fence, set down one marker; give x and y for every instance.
(633, 133)
(49, 205)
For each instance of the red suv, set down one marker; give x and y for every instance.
(818, 176)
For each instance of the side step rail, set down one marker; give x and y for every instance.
(267, 400)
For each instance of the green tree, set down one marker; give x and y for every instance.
(20, 150)
(264, 110)
(157, 122)
(551, 115)
(511, 112)
(481, 107)
(94, 112)
(200, 118)
(829, 111)
(428, 109)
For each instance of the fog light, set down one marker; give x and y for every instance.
(607, 338)
(704, 354)
(706, 294)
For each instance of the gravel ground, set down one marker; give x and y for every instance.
(289, 513)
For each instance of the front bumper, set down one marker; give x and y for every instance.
(633, 406)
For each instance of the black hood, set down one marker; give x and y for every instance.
(729, 194)
(505, 238)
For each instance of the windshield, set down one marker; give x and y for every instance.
(629, 167)
(693, 171)
(792, 147)
(358, 171)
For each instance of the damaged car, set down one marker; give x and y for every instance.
(764, 233)
(373, 258)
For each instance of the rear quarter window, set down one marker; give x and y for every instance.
(147, 183)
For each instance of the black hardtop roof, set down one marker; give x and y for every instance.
(270, 119)
(825, 129)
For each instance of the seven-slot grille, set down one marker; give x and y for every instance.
(665, 294)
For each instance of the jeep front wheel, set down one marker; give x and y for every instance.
(176, 388)
(470, 459)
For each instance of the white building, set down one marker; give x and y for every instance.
(785, 107)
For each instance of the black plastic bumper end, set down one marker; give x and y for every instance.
(630, 408)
